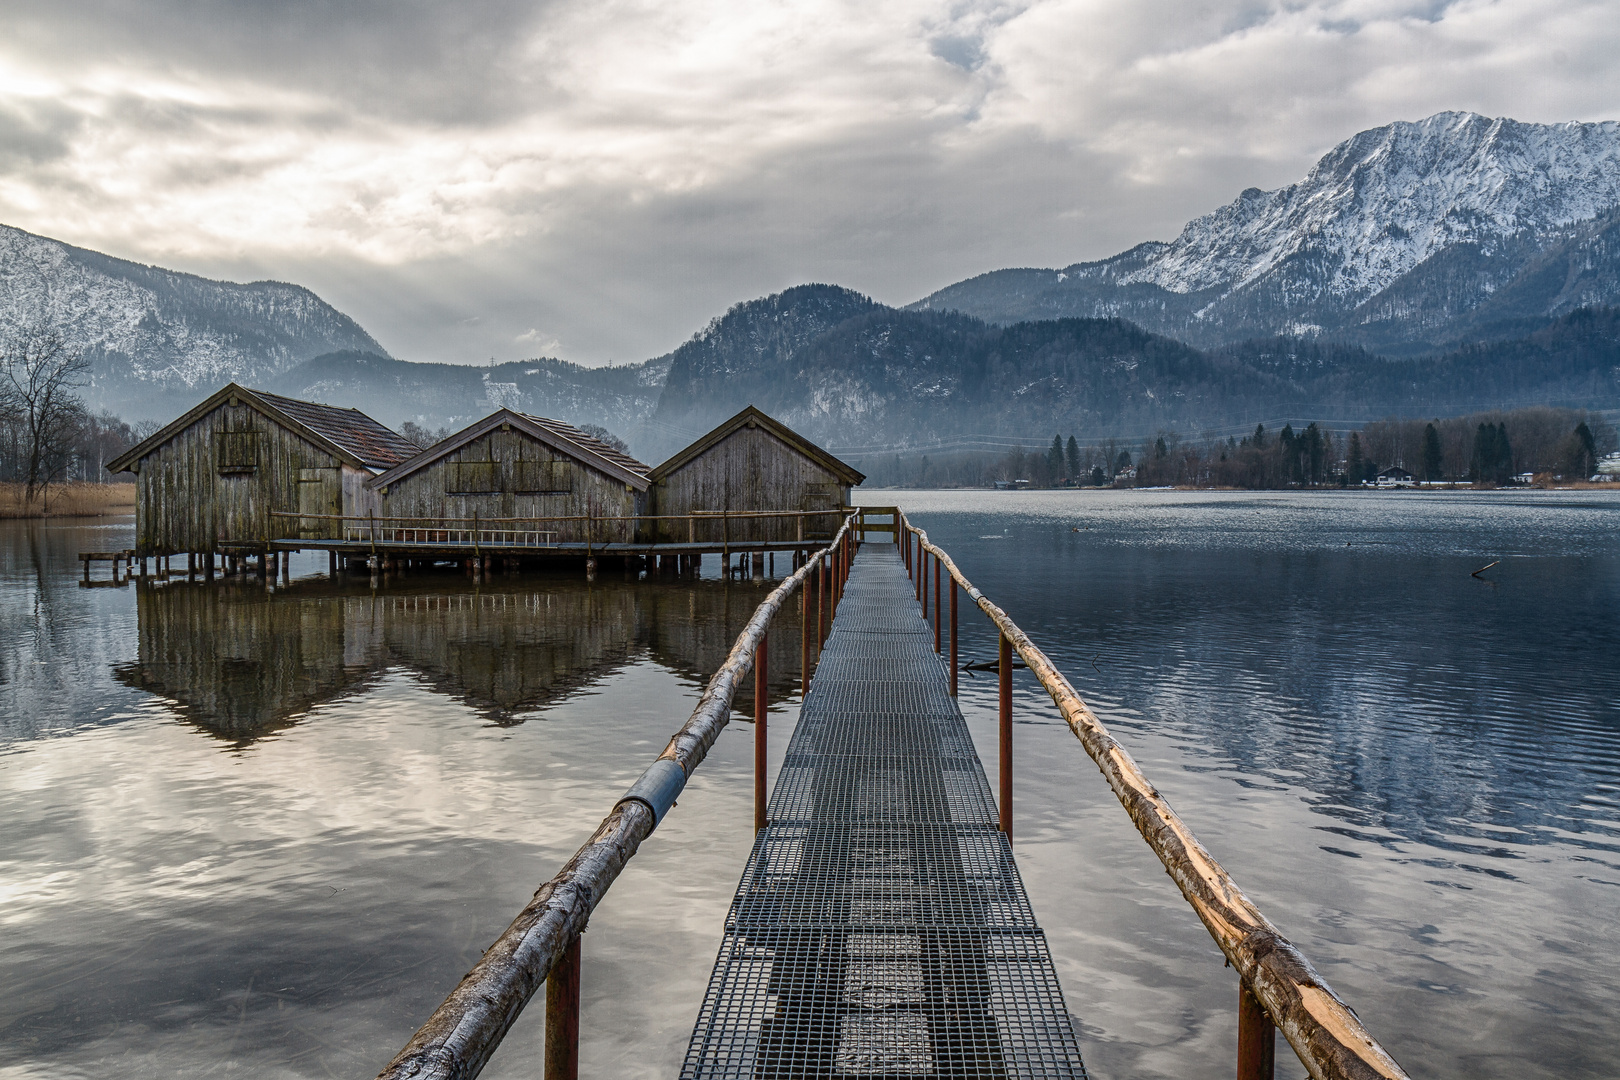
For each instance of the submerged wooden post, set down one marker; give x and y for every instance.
(1004, 669)
(562, 1016)
(761, 708)
(953, 637)
(1257, 1038)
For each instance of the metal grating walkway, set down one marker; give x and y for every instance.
(881, 929)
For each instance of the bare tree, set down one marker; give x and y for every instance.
(38, 379)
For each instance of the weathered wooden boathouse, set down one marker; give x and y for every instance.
(754, 479)
(542, 481)
(213, 480)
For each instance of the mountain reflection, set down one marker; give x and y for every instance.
(241, 662)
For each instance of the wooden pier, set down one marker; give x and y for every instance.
(880, 928)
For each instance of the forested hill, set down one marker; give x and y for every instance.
(899, 379)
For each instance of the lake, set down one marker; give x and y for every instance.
(265, 831)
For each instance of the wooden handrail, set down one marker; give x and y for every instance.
(1325, 1032)
(461, 1035)
(711, 515)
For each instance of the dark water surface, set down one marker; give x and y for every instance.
(265, 833)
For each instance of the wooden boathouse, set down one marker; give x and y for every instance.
(757, 480)
(213, 480)
(550, 481)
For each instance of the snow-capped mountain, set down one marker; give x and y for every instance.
(154, 335)
(1403, 236)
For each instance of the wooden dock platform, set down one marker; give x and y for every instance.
(881, 928)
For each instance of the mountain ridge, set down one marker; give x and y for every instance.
(1326, 255)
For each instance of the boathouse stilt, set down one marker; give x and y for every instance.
(562, 1016)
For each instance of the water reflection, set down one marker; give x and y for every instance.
(242, 662)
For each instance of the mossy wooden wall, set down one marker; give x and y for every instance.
(749, 470)
(214, 484)
(513, 465)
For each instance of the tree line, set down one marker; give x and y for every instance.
(47, 436)
(1488, 448)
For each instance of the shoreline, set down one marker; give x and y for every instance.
(67, 501)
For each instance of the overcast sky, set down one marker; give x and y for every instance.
(596, 180)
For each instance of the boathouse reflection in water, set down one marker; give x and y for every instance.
(242, 662)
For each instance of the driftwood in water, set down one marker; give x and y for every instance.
(1325, 1032)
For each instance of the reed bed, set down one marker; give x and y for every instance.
(67, 500)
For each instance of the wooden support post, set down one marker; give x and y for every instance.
(191, 566)
(938, 626)
(332, 562)
(1004, 670)
(1257, 1040)
(761, 709)
(562, 1016)
(953, 637)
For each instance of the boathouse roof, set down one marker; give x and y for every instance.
(349, 434)
(752, 417)
(564, 438)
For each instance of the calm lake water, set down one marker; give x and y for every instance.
(264, 833)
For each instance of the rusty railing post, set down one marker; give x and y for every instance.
(761, 708)
(937, 624)
(1004, 670)
(821, 604)
(953, 637)
(562, 1016)
(1257, 1041)
(804, 644)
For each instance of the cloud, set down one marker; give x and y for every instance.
(454, 175)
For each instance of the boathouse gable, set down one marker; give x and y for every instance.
(211, 479)
(750, 464)
(518, 468)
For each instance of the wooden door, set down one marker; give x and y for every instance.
(320, 491)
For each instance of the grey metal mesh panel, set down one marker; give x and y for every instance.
(881, 929)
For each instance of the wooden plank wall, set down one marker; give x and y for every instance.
(750, 469)
(511, 462)
(214, 484)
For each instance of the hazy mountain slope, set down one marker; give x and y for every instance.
(736, 359)
(1401, 237)
(154, 336)
(453, 395)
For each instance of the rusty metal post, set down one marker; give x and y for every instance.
(761, 708)
(562, 1016)
(923, 582)
(1004, 670)
(921, 563)
(953, 637)
(937, 624)
(804, 643)
(1257, 1040)
(821, 604)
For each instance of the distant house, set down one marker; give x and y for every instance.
(750, 464)
(1394, 477)
(1011, 485)
(213, 479)
(510, 465)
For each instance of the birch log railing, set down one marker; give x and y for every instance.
(1278, 985)
(461, 1035)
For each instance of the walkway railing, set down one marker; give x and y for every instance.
(730, 527)
(1278, 986)
(542, 944)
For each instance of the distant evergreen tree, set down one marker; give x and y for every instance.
(1097, 475)
(1054, 460)
(1355, 467)
(1492, 461)
(1160, 451)
(1432, 457)
(1314, 452)
(1122, 462)
(1579, 453)
(1260, 436)
(1073, 454)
